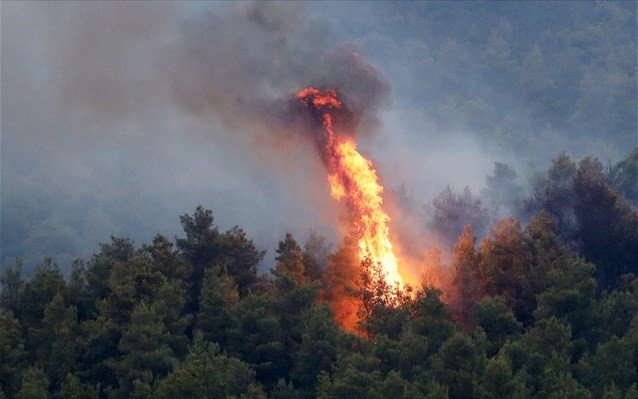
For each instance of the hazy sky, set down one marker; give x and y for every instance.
(117, 117)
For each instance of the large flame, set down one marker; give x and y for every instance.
(352, 177)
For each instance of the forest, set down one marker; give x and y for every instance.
(119, 116)
(545, 306)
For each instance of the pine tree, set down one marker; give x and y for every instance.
(466, 280)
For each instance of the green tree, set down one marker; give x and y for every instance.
(78, 291)
(498, 382)
(205, 373)
(431, 319)
(11, 282)
(132, 282)
(614, 363)
(497, 321)
(240, 258)
(145, 348)
(382, 309)
(505, 265)
(607, 224)
(35, 385)
(199, 247)
(317, 349)
(614, 312)
(356, 377)
(556, 382)
(258, 338)
(12, 355)
(218, 303)
(98, 272)
(170, 302)
(546, 348)
(36, 294)
(56, 339)
(553, 193)
(73, 388)
(100, 338)
(167, 260)
(129, 284)
(204, 246)
(570, 295)
(290, 261)
(458, 363)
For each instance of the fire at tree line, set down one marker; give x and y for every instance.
(547, 308)
(539, 304)
(544, 308)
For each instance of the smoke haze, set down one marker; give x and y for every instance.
(119, 116)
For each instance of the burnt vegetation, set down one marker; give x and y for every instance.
(541, 307)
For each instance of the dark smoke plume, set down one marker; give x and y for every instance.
(244, 65)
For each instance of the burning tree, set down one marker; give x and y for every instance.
(352, 179)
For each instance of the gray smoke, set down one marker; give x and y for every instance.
(119, 116)
(244, 65)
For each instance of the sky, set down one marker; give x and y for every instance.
(117, 117)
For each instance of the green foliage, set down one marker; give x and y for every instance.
(590, 215)
(73, 388)
(12, 353)
(570, 294)
(607, 224)
(505, 263)
(457, 365)
(384, 308)
(524, 320)
(614, 312)
(219, 298)
(35, 385)
(498, 382)
(497, 321)
(146, 353)
(290, 261)
(205, 373)
(167, 260)
(553, 193)
(36, 294)
(356, 377)
(205, 246)
(98, 272)
(431, 319)
(11, 282)
(56, 340)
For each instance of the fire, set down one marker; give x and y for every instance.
(352, 178)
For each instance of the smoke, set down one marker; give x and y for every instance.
(243, 66)
(119, 116)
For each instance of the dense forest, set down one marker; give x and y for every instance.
(544, 307)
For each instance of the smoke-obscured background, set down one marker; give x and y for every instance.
(117, 117)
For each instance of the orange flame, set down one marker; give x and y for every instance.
(352, 177)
